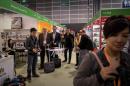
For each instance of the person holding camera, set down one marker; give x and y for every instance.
(115, 69)
(32, 47)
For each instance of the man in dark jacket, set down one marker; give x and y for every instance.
(32, 47)
(54, 40)
(69, 45)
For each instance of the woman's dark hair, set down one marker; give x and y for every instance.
(114, 25)
(86, 43)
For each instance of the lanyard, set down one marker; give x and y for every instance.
(116, 82)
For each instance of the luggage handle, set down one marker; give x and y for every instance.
(50, 54)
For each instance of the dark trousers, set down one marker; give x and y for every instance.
(51, 55)
(42, 56)
(31, 68)
(70, 54)
(77, 58)
(62, 44)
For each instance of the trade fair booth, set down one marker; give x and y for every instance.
(97, 23)
(15, 23)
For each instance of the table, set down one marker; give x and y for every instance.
(56, 50)
(6, 68)
(21, 54)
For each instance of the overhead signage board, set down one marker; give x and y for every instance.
(18, 8)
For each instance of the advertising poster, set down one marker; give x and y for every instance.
(16, 23)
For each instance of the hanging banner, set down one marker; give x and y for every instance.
(111, 12)
(18, 8)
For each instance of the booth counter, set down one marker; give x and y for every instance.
(6, 68)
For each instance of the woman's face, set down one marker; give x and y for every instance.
(117, 42)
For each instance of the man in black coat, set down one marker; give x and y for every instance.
(69, 45)
(54, 40)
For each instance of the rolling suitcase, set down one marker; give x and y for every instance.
(49, 66)
(57, 61)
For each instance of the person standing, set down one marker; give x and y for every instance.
(62, 39)
(43, 41)
(11, 45)
(76, 43)
(69, 45)
(85, 45)
(32, 47)
(11, 50)
(54, 40)
(112, 66)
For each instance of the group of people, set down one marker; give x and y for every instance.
(112, 67)
(46, 40)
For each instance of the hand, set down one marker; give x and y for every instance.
(39, 49)
(111, 71)
(35, 50)
(77, 48)
(47, 45)
(54, 43)
(44, 42)
(108, 73)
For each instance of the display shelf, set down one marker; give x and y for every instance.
(96, 35)
(17, 35)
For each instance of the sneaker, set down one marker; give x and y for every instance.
(64, 61)
(40, 68)
(35, 75)
(29, 79)
(76, 64)
(76, 67)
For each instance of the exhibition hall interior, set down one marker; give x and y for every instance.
(54, 42)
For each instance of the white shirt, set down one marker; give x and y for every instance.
(54, 34)
(45, 37)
